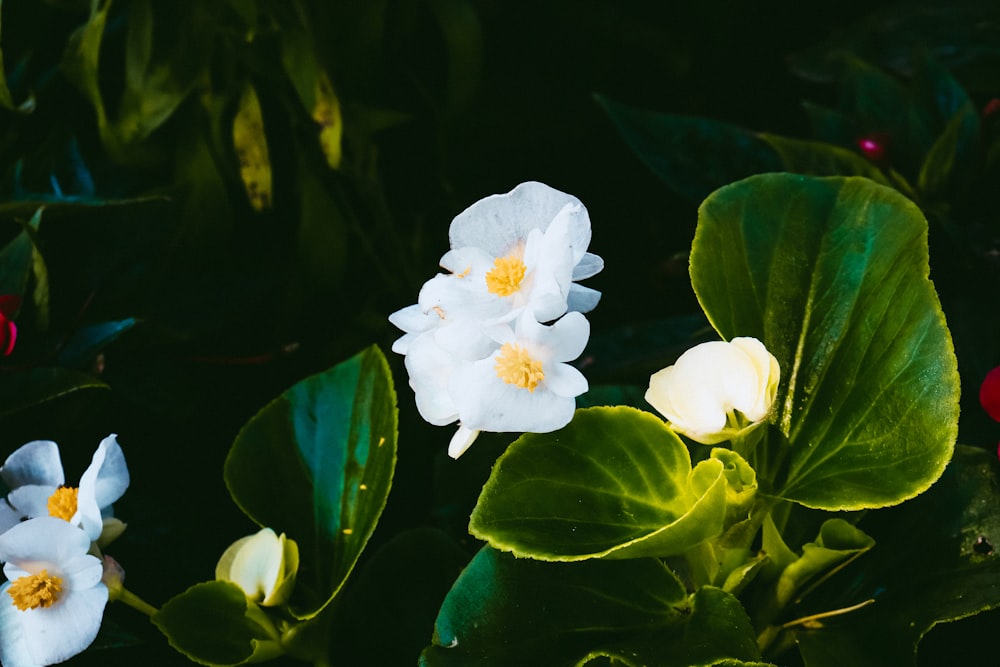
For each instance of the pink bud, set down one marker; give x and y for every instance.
(874, 146)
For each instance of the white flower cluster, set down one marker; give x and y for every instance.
(487, 343)
(53, 601)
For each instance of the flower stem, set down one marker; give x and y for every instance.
(134, 601)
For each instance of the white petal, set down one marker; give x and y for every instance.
(582, 299)
(564, 380)
(9, 517)
(31, 501)
(487, 403)
(461, 441)
(34, 463)
(589, 265)
(67, 628)
(574, 219)
(82, 571)
(102, 483)
(454, 299)
(465, 340)
(112, 478)
(429, 367)
(13, 646)
(550, 273)
(45, 539)
(464, 261)
(499, 222)
(705, 385)
(564, 340)
(768, 374)
(253, 563)
(402, 344)
(413, 320)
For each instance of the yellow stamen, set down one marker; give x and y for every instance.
(62, 503)
(515, 366)
(506, 275)
(35, 590)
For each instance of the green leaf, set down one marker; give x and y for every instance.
(952, 160)
(82, 58)
(317, 463)
(208, 623)
(879, 102)
(154, 88)
(815, 158)
(616, 482)
(837, 541)
(322, 235)
(27, 389)
(6, 99)
(692, 155)
(21, 259)
(832, 275)
(954, 531)
(462, 30)
(406, 580)
(508, 611)
(86, 343)
(964, 35)
(15, 264)
(717, 633)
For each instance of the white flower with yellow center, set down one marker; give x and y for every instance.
(37, 483)
(511, 253)
(52, 604)
(264, 565)
(717, 391)
(525, 384)
(522, 251)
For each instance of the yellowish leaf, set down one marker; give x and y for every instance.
(326, 113)
(250, 143)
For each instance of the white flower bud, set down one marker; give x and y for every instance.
(717, 390)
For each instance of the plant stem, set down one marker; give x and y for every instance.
(134, 601)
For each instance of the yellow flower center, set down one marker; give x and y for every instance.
(62, 503)
(35, 590)
(506, 275)
(515, 366)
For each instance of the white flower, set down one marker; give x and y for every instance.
(525, 248)
(524, 385)
(264, 565)
(717, 390)
(34, 474)
(510, 253)
(476, 349)
(53, 602)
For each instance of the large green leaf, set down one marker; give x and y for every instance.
(935, 560)
(616, 482)
(691, 155)
(832, 275)
(317, 463)
(507, 611)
